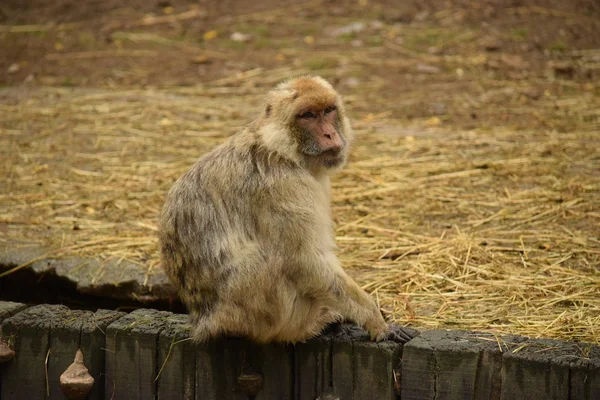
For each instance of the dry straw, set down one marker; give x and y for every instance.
(485, 230)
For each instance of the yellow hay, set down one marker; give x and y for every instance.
(486, 230)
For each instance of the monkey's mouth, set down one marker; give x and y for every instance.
(331, 157)
(334, 152)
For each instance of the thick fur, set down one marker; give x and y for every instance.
(246, 235)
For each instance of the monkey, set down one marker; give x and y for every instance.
(246, 235)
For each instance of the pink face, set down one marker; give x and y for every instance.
(323, 124)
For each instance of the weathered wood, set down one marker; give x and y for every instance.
(418, 370)
(538, 369)
(207, 381)
(451, 365)
(231, 356)
(9, 308)
(131, 362)
(119, 279)
(329, 394)
(342, 364)
(312, 368)
(61, 330)
(65, 337)
(374, 365)
(227, 367)
(275, 363)
(176, 360)
(488, 382)
(28, 333)
(93, 347)
(219, 363)
(585, 373)
(343, 368)
(456, 364)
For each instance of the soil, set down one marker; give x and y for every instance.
(408, 49)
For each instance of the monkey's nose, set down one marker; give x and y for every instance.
(328, 136)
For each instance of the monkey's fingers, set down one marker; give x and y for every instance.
(401, 334)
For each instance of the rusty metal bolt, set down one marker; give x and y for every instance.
(250, 384)
(76, 382)
(6, 353)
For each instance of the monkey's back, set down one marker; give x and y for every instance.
(202, 212)
(224, 235)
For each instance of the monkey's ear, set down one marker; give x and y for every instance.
(268, 110)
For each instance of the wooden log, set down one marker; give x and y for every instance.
(65, 337)
(28, 333)
(230, 353)
(312, 366)
(235, 368)
(451, 365)
(456, 364)
(219, 364)
(208, 380)
(176, 360)
(344, 338)
(131, 358)
(418, 370)
(488, 382)
(542, 369)
(343, 364)
(275, 363)
(585, 373)
(93, 347)
(343, 368)
(374, 368)
(9, 308)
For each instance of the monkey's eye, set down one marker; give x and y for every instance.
(307, 114)
(329, 109)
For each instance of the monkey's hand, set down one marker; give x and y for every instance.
(398, 334)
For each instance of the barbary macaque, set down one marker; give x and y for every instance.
(246, 235)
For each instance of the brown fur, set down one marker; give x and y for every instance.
(246, 235)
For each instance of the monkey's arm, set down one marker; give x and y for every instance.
(324, 279)
(354, 304)
(299, 222)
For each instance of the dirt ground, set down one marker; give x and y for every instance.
(456, 60)
(477, 163)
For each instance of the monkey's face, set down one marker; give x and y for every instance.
(319, 134)
(304, 120)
